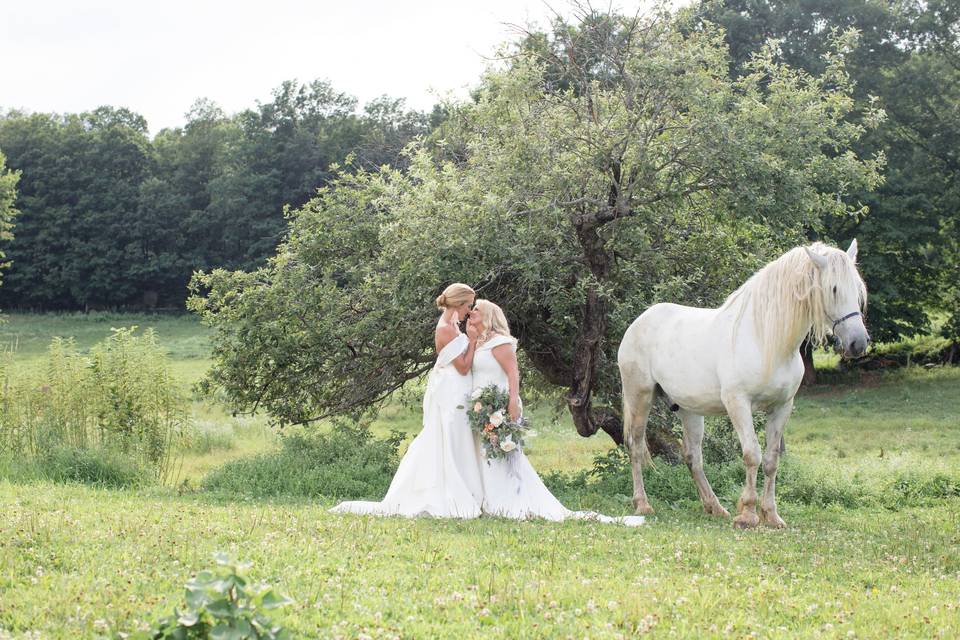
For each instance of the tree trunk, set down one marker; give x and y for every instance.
(661, 443)
(593, 329)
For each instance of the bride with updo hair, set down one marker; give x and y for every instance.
(444, 472)
(440, 473)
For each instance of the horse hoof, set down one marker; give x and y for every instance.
(746, 521)
(643, 509)
(773, 520)
(717, 510)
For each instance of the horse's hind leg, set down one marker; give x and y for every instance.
(776, 421)
(636, 410)
(693, 456)
(741, 416)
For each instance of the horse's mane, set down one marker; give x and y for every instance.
(786, 300)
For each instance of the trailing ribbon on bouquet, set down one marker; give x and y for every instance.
(512, 462)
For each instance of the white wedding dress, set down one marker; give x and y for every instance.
(440, 473)
(511, 486)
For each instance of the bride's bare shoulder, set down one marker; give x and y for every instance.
(444, 334)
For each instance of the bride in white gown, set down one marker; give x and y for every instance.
(444, 473)
(440, 473)
(511, 486)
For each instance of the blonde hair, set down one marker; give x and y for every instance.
(494, 320)
(455, 295)
(787, 296)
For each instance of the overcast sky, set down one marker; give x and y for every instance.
(156, 58)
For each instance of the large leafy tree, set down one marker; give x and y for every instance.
(609, 164)
(909, 61)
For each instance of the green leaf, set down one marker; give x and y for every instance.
(197, 598)
(222, 608)
(273, 600)
(188, 618)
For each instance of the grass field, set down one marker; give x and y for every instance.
(79, 562)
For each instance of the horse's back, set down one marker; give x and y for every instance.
(667, 321)
(671, 345)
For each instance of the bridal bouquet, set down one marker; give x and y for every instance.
(487, 413)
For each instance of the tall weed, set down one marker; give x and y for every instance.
(120, 399)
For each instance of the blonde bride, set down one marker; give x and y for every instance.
(440, 473)
(511, 486)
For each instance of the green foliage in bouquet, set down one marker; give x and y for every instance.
(222, 604)
(487, 413)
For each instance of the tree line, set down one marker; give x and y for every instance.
(110, 218)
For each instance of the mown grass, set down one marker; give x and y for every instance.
(76, 561)
(80, 561)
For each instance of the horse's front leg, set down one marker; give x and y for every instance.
(740, 412)
(776, 421)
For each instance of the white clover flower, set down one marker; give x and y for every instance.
(496, 419)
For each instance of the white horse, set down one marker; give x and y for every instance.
(741, 357)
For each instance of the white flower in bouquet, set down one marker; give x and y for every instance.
(496, 419)
(508, 445)
(476, 394)
(477, 407)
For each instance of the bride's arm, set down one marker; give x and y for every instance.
(507, 358)
(464, 361)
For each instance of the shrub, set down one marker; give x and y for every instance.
(120, 399)
(223, 604)
(798, 482)
(91, 466)
(806, 484)
(916, 488)
(346, 462)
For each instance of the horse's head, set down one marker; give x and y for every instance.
(843, 296)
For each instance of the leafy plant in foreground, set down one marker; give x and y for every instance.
(223, 605)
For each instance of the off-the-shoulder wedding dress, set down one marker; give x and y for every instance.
(511, 486)
(440, 472)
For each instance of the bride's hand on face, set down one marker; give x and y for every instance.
(474, 326)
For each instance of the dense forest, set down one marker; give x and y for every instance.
(109, 217)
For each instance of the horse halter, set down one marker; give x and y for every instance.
(852, 314)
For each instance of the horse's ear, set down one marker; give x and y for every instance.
(818, 260)
(852, 251)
